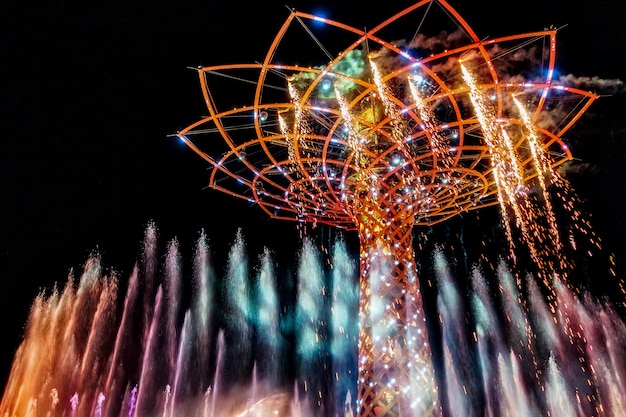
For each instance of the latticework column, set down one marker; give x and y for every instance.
(396, 373)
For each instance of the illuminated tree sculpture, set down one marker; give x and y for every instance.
(379, 138)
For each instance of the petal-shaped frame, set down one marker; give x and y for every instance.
(310, 175)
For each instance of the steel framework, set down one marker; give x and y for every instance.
(378, 138)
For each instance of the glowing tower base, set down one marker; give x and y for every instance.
(396, 374)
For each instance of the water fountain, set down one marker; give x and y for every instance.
(94, 349)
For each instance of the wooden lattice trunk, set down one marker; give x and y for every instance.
(396, 373)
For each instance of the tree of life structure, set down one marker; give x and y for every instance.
(378, 138)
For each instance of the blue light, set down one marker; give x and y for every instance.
(320, 18)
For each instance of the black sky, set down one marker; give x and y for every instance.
(91, 90)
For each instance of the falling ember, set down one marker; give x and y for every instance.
(545, 173)
(440, 146)
(398, 128)
(284, 130)
(299, 125)
(354, 140)
(505, 168)
(543, 240)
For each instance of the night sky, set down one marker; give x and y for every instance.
(91, 90)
